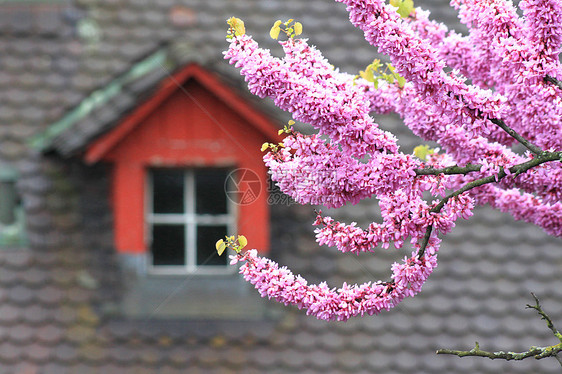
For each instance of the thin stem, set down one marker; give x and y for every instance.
(545, 317)
(536, 352)
(527, 144)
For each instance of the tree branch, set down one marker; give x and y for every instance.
(514, 170)
(527, 144)
(545, 317)
(536, 352)
(449, 170)
(553, 80)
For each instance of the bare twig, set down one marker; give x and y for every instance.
(477, 352)
(536, 352)
(545, 317)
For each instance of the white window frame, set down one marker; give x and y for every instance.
(191, 220)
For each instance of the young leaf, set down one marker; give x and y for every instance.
(274, 32)
(237, 25)
(401, 80)
(422, 151)
(242, 241)
(221, 246)
(367, 75)
(405, 7)
(264, 146)
(298, 28)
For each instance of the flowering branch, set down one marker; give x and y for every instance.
(449, 170)
(536, 352)
(350, 159)
(514, 170)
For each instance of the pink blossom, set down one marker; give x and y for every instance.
(279, 283)
(507, 59)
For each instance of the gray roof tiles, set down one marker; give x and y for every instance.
(52, 297)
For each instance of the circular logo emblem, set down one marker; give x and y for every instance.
(242, 186)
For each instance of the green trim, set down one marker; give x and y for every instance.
(8, 174)
(98, 98)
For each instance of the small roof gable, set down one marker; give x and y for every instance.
(167, 87)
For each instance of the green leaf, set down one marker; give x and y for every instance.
(237, 26)
(242, 241)
(274, 32)
(368, 75)
(405, 7)
(401, 80)
(221, 246)
(298, 28)
(422, 151)
(388, 77)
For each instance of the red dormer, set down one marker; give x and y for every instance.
(187, 170)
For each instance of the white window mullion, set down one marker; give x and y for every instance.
(190, 221)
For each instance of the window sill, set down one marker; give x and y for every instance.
(190, 296)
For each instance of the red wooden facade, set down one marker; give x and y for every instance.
(193, 120)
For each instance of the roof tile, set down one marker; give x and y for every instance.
(49, 334)
(10, 353)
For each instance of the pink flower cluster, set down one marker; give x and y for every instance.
(507, 59)
(306, 85)
(326, 303)
(312, 171)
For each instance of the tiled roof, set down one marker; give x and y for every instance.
(57, 298)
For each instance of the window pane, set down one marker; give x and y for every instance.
(168, 245)
(209, 191)
(8, 202)
(207, 236)
(167, 190)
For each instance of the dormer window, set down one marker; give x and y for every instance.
(187, 170)
(169, 158)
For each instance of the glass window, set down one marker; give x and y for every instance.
(12, 223)
(168, 187)
(209, 191)
(207, 236)
(188, 212)
(168, 243)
